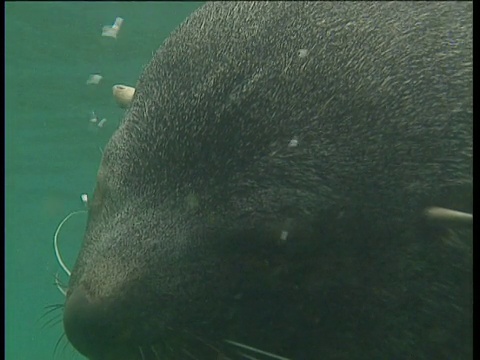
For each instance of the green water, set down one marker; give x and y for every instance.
(52, 149)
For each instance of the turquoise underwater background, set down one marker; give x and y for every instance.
(52, 148)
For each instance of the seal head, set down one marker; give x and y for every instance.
(262, 193)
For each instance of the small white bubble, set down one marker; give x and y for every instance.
(93, 118)
(302, 53)
(102, 122)
(293, 143)
(118, 22)
(283, 235)
(112, 31)
(94, 79)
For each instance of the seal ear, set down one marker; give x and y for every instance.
(123, 95)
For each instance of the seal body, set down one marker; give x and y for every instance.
(264, 190)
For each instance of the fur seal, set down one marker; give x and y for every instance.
(262, 197)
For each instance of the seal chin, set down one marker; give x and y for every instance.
(96, 329)
(89, 327)
(82, 323)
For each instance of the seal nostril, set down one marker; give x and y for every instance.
(86, 323)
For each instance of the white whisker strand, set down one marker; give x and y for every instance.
(59, 286)
(55, 241)
(255, 350)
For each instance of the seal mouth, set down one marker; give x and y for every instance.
(95, 330)
(90, 329)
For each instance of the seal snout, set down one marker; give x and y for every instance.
(88, 324)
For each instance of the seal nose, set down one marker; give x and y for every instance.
(86, 323)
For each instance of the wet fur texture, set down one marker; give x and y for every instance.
(201, 184)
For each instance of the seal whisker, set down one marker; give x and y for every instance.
(152, 348)
(54, 306)
(50, 309)
(205, 343)
(58, 343)
(53, 321)
(55, 241)
(58, 282)
(66, 343)
(185, 341)
(141, 352)
(60, 287)
(248, 356)
(255, 350)
(190, 355)
(59, 321)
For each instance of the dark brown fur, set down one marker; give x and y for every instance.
(208, 223)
